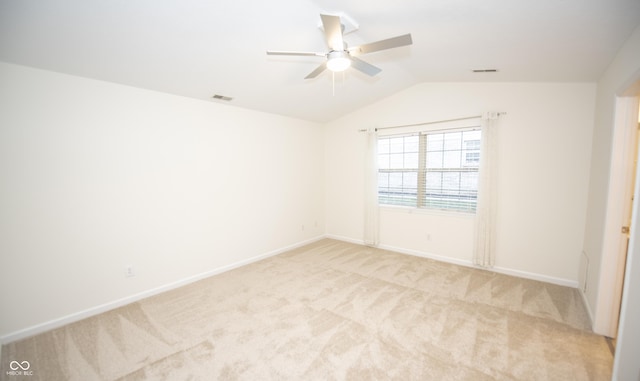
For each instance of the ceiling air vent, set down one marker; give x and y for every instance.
(485, 70)
(222, 97)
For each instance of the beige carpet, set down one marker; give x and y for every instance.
(331, 311)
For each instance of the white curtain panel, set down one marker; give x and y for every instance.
(484, 245)
(371, 209)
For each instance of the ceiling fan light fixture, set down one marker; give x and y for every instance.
(338, 61)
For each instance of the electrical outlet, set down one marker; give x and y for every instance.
(129, 271)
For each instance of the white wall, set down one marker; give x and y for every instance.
(544, 148)
(95, 176)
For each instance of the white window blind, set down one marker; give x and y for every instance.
(430, 169)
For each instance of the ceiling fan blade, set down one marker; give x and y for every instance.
(317, 71)
(286, 53)
(332, 31)
(389, 43)
(364, 67)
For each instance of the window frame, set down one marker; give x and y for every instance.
(421, 202)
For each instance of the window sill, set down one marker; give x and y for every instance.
(425, 211)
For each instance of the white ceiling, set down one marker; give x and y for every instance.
(198, 48)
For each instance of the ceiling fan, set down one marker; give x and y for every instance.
(340, 57)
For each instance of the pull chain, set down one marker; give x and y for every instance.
(333, 83)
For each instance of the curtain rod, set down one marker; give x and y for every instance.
(432, 122)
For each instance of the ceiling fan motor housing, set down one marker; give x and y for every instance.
(338, 60)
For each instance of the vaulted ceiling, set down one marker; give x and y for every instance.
(198, 48)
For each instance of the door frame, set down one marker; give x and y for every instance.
(619, 207)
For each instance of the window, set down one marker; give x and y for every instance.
(433, 170)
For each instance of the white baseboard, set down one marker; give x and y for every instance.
(424, 254)
(538, 277)
(56, 323)
(467, 263)
(344, 239)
